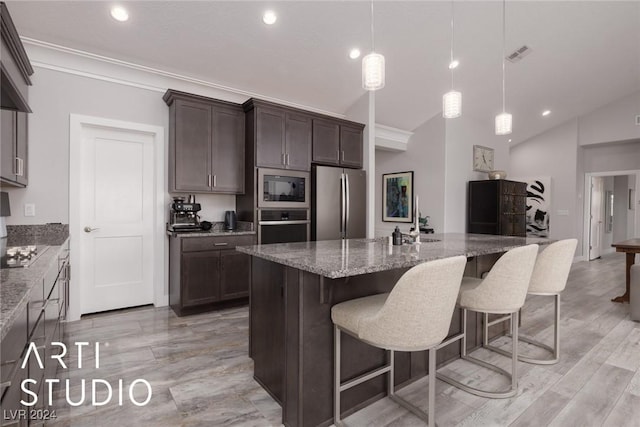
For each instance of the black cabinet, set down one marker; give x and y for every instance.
(206, 144)
(336, 143)
(282, 136)
(204, 271)
(497, 207)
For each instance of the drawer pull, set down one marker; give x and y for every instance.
(220, 244)
(8, 362)
(5, 384)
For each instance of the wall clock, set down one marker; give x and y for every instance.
(482, 158)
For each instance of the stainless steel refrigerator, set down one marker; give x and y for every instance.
(338, 203)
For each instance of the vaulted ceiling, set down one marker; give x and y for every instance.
(584, 54)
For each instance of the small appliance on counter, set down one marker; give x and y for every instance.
(183, 216)
(230, 221)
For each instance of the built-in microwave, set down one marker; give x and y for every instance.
(283, 188)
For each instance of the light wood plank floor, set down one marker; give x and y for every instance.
(201, 375)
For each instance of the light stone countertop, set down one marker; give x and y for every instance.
(16, 284)
(343, 258)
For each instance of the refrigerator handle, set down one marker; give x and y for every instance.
(342, 206)
(347, 196)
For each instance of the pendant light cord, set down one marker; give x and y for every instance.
(451, 57)
(373, 46)
(503, 53)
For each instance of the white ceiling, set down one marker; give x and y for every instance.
(585, 54)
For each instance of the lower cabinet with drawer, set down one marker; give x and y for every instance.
(206, 272)
(39, 323)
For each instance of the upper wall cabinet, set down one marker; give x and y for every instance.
(206, 144)
(14, 83)
(282, 136)
(16, 68)
(337, 143)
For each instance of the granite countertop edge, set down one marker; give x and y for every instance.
(261, 251)
(17, 284)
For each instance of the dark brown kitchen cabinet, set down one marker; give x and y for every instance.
(337, 144)
(14, 84)
(38, 323)
(282, 136)
(14, 166)
(206, 271)
(206, 144)
(200, 278)
(497, 207)
(351, 146)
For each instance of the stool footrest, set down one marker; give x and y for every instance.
(364, 377)
(525, 358)
(479, 392)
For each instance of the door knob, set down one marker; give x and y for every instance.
(88, 229)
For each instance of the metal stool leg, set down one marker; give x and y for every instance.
(336, 376)
(554, 351)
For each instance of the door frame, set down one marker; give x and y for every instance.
(586, 220)
(159, 243)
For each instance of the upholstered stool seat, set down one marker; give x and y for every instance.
(502, 291)
(414, 316)
(549, 277)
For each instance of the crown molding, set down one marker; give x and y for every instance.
(392, 139)
(86, 64)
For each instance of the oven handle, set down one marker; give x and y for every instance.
(306, 221)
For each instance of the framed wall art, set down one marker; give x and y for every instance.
(397, 197)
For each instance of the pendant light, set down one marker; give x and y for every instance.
(373, 65)
(503, 120)
(452, 100)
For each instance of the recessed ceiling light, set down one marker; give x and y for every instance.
(119, 13)
(546, 112)
(354, 53)
(454, 64)
(509, 139)
(269, 17)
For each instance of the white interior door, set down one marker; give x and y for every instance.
(117, 219)
(596, 226)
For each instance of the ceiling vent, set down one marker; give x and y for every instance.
(518, 54)
(638, 120)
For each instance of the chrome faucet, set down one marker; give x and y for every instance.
(412, 238)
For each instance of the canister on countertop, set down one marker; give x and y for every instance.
(397, 236)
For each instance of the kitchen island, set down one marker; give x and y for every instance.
(294, 286)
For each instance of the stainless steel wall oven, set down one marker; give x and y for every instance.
(283, 225)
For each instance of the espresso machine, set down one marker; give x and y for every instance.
(183, 216)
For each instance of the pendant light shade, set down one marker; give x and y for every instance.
(503, 124)
(503, 120)
(373, 71)
(452, 105)
(373, 65)
(452, 100)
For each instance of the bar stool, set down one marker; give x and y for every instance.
(502, 291)
(549, 277)
(414, 316)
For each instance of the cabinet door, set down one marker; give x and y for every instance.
(228, 150)
(298, 142)
(270, 134)
(192, 147)
(8, 145)
(326, 142)
(200, 279)
(235, 274)
(350, 146)
(22, 138)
